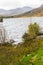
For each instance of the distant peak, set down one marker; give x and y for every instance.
(41, 5)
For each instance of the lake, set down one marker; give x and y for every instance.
(16, 27)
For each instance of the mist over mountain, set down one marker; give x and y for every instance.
(22, 12)
(16, 11)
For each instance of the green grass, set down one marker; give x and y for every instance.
(35, 58)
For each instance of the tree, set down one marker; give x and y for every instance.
(29, 39)
(33, 30)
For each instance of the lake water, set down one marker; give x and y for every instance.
(16, 27)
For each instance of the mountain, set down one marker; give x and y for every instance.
(13, 12)
(34, 12)
(19, 10)
(2, 11)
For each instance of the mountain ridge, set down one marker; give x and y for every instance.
(34, 12)
(13, 12)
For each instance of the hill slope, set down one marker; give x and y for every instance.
(34, 12)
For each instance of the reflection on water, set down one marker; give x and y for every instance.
(16, 27)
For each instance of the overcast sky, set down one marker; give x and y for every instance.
(12, 4)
